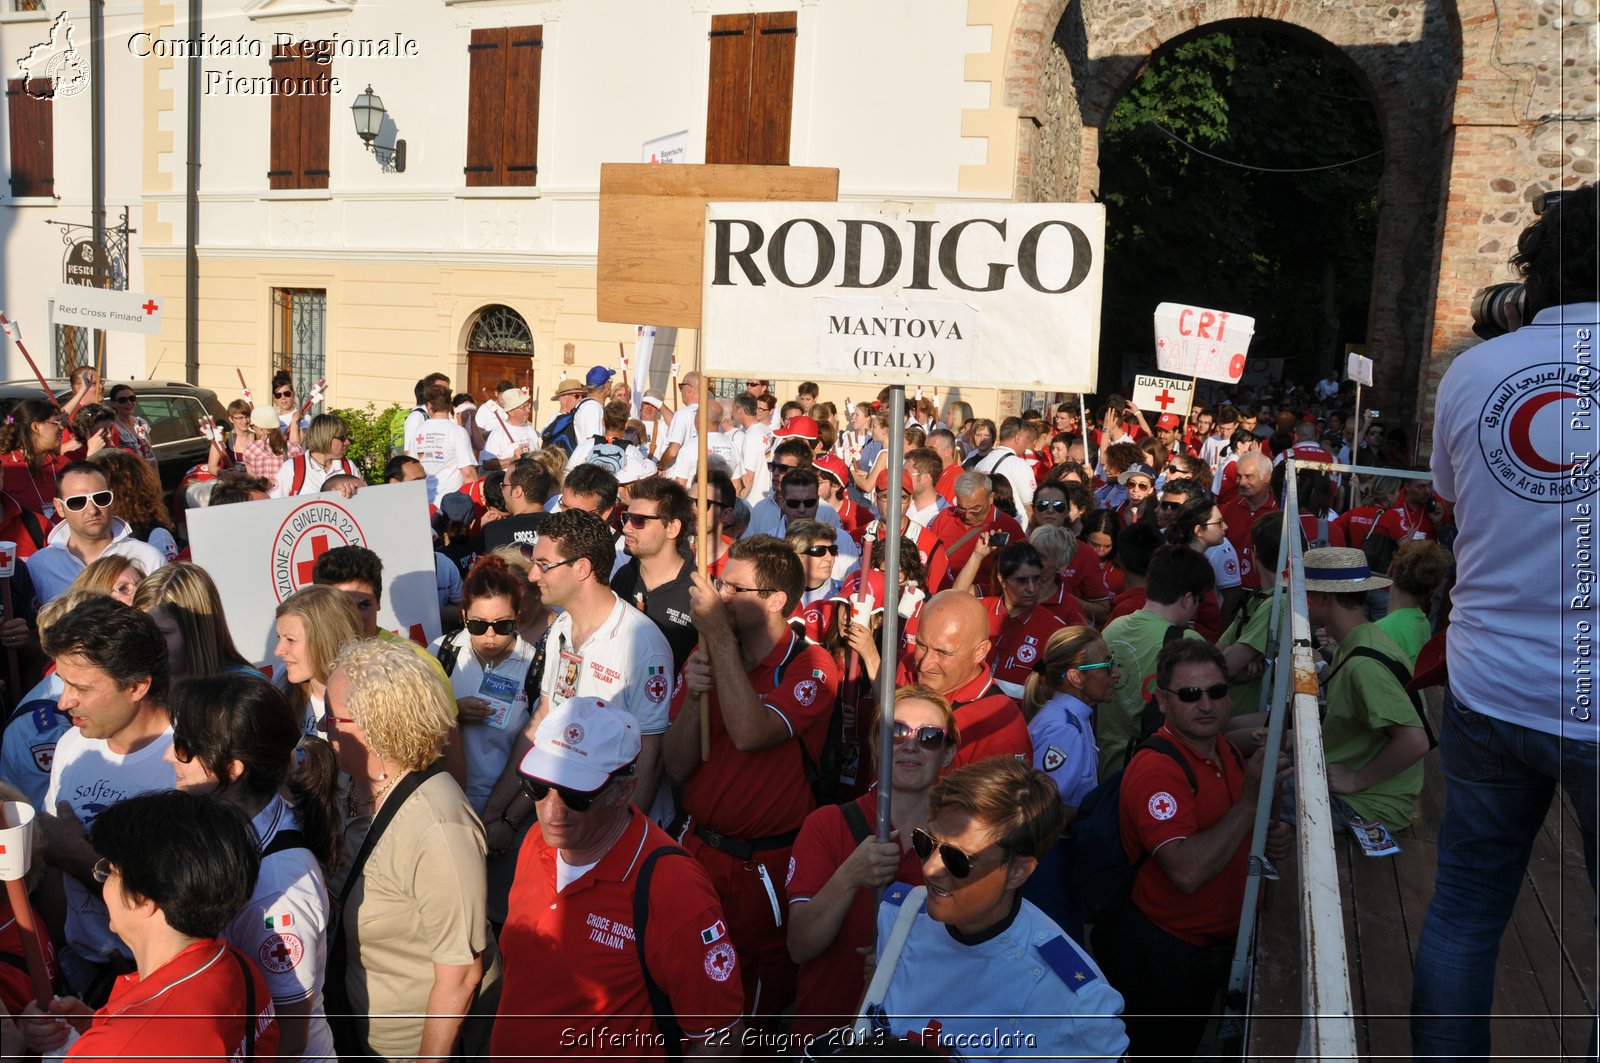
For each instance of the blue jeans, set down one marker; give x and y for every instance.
(1500, 780)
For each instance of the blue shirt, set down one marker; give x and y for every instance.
(1063, 746)
(29, 746)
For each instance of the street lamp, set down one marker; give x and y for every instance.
(369, 113)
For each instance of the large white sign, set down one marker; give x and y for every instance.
(1358, 368)
(989, 295)
(1163, 394)
(1196, 342)
(77, 304)
(259, 553)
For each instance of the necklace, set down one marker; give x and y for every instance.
(371, 803)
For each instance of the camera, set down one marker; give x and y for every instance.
(1501, 308)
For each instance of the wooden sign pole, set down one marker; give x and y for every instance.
(702, 548)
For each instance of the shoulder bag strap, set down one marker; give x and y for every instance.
(1397, 670)
(249, 1007)
(660, 1004)
(380, 823)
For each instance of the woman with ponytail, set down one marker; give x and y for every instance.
(1073, 675)
(234, 739)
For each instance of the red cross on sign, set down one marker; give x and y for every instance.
(150, 307)
(303, 569)
(1165, 399)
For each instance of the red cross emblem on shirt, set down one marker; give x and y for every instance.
(1163, 806)
(280, 952)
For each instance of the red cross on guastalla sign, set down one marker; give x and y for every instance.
(303, 570)
(1165, 399)
(150, 307)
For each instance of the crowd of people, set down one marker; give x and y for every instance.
(628, 806)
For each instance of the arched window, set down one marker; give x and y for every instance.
(500, 330)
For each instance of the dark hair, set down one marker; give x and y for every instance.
(776, 567)
(797, 448)
(1021, 805)
(438, 399)
(722, 487)
(807, 387)
(1016, 555)
(88, 415)
(1187, 651)
(491, 577)
(589, 479)
(803, 476)
(16, 434)
(1051, 485)
(534, 479)
(1106, 522)
(745, 402)
(193, 857)
(672, 501)
(115, 638)
(1189, 489)
(280, 378)
(1557, 256)
(124, 386)
(1266, 534)
(80, 466)
(912, 568)
(614, 416)
(1241, 435)
(349, 564)
(234, 487)
(1175, 571)
(392, 467)
(240, 716)
(1136, 546)
(421, 390)
(1191, 516)
(926, 461)
(580, 534)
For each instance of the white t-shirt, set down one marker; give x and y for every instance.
(283, 928)
(488, 742)
(1225, 563)
(444, 448)
(755, 450)
(1514, 439)
(91, 778)
(414, 422)
(1009, 463)
(923, 517)
(683, 433)
(503, 446)
(626, 662)
(316, 475)
(588, 421)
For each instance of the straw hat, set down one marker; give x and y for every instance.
(568, 386)
(1340, 569)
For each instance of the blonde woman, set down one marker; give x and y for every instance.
(413, 944)
(313, 624)
(185, 605)
(1075, 673)
(113, 575)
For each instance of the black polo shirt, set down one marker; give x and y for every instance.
(667, 605)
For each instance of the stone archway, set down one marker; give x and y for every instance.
(1071, 60)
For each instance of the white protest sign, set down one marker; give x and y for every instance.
(1210, 344)
(990, 295)
(1163, 394)
(259, 553)
(78, 304)
(1358, 368)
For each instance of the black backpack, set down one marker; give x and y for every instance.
(1151, 718)
(1402, 676)
(1379, 548)
(561, 432)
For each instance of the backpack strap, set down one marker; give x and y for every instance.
(449, 652)
(1161, 745)
(299, 477)
(797, 644)
(856, 820)
(660, 1003)
(1173, 633)
(1401, 676)
(249, 1006)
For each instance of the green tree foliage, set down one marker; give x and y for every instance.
(1293, 250)
(370, 433)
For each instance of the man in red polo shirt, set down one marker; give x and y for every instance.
(1188, 799)
(957, 528)
(950, 657)
(571, 947)
(1254, 499)
(771, 695)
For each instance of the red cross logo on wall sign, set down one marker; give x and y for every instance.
(1165, 399)
(303, 569)
(150, 307)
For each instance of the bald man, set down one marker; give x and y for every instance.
(1254, 499)
(950, 657)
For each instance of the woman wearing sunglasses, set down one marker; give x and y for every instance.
(30, 459)
(413, 942)
(285, 406)
(133, 431)
(838, 863)
(234, 739)
(1074, 675)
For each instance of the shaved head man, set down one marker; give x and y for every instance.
(950, 656)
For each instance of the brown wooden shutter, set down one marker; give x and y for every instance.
(315, 113)
(520, 146)
(486, 102)
(32, 122)
(298, 156)
(283, 155)
(771, 89)
(728, 94)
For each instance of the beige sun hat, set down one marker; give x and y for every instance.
(1341, 569)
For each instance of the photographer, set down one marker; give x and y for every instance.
(1514, 441)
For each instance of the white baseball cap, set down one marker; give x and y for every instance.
(581, 745)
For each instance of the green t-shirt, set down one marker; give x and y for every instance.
(1363, 700)
(1251, 630)
(1135, 641)
(1410, 630)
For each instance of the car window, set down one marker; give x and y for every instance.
(173, 418)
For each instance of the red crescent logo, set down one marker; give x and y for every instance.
(1519, 439)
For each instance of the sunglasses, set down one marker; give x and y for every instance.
(778, 468)
(76, 503)
(821, 549)
(283, 394)
(713, 503)
(501, 627)
(1109, 662)
(928, 737)
(577, 800)
(958, 863)
(180, 749)
(640, 520)
(1050, 505)
(124, 400)
(1191, 695)
(1165, 504)
(800, 503)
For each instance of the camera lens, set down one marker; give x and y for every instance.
(1491, 309)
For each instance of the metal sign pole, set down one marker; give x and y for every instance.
(889, 636)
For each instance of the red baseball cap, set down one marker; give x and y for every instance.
(1169, 421)
(798, 426)
(832, 466)
(882, 483)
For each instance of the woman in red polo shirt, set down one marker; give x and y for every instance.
(837, 863)
(1019, 626)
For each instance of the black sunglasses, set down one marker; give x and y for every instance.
(283, 394)
(125, 399)
(180, 749)
(1190, 695)
(1165, 504)
(501, 627)
(821, 549)
(928, 737)
(577, 800)
(800, 503)
(1050, 505)
(640, 520)
(958, 863)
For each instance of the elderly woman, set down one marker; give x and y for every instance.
(413, 950)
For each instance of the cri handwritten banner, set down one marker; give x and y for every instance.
(1196, 342)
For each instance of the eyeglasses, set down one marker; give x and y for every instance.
(1190, 695)
(713, 503)
(958, 863)
(283, 394)
(577, 800)
(124, 400)
(542, 566)
(1109, 662)
(102, 870)
(821, 550)
(734, 588)
(800, 503)
(640, 520)
(928, 737)
(76, 503)
(501, 627)
(1050, 505)
(1213, 523)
